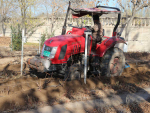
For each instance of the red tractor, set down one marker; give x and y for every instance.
(70, 54)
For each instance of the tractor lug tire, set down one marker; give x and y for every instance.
(74, 72)
(112, 63)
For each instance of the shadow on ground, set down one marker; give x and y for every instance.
(30, 92)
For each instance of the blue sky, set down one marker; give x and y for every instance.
(111, 3)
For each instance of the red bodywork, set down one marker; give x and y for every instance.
(76, 44)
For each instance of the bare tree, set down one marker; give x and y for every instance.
(75, 3)
(6, 9)
(25, 9)
(24, 6)
(53, 9)
(82, 3)
(135, 6)
(147, 12)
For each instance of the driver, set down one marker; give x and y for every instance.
(97, 32)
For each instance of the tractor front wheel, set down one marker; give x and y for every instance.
(74, 72)
(113, 62)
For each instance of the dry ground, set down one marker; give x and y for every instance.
(5, 41)
(143, 107)
(20, 93)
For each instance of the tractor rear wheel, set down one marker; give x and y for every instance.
(113, 62)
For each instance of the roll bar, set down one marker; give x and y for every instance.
(64, 26)
(119, 16)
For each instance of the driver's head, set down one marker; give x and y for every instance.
(95, 18)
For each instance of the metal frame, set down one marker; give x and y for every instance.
(64, 26)
(87, 33)
(119, 16)
(115, 28)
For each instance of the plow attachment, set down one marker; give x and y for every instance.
(40, 64)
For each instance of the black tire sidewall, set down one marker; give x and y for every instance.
(108, 58)
(70, 74)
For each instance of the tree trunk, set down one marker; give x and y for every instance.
(127, 32)
(52, 24)
(3, 18)
(52, 21)
(128, 28)
(3, 27)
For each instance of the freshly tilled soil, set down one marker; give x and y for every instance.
(29, 92)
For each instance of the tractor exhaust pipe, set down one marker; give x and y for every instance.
(87, 33)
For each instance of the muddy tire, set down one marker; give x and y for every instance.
(73, 73)
(112, 63)
(33, 72)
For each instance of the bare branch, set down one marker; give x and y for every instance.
(143, 5)
(122, 6)
(133, 2)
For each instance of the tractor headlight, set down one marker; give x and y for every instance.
(53, 52)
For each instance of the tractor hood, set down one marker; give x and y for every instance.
(76, 35)
(59, 48)
(62, 40)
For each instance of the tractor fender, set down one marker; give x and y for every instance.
(104, 46)
(107, 44)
